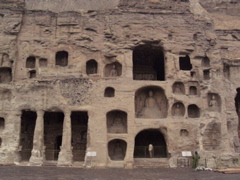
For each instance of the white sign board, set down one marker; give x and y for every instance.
(186, 153)
(92, 153)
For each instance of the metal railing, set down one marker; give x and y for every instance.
(142, 152)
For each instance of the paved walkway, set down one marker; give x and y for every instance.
(59, 173)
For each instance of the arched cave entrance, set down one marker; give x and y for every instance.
(148, 63)
(91, 67)
(147, 137)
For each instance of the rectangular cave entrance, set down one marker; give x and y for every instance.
(148, 63)
(79, 121)
(150, 144)
(28, 122)
(53, 128)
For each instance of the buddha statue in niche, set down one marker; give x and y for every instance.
(151, 108)
(184, 132)
(118, 153)
(178, 89)
(193, 90)
(177, 110)
(117, 125)
(5, 60)
(113, 72)
(213, 104)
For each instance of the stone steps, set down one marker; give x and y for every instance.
(151, 162)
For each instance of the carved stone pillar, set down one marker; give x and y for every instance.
(65, 156)
(38, 150)
(11, 147)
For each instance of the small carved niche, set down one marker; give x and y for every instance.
(43, 62)
(113, 70)
(195, 36)
(206, 62)
(206, 74)
(109, 92)
(226, 70)
(193, 90)
(31, 62)
(0, 142)
(193, 74)
(5, 75)
(117, 121)
(2, 124)
(32, 74)
(178, 88)
(151, 103)
(5, 61)
(184, 133)
(61, 58)
(193, 111)
(6, 95)
(170, 36)
(117, 149)
(91, 67)
(212, 137)
(214, 102)
(178, 109)
(185, 63)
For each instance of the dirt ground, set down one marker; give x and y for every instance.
(60, 173)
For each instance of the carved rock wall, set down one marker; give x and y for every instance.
(192, 99)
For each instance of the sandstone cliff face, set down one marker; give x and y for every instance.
(99, 59)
